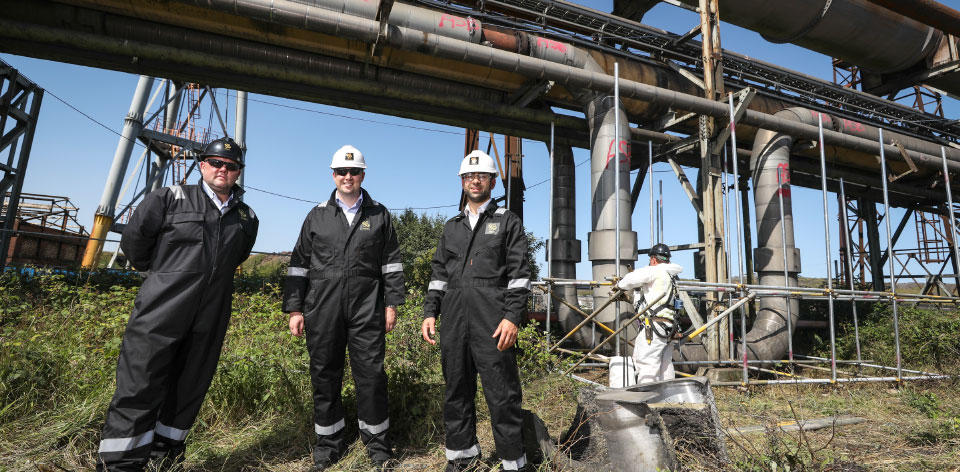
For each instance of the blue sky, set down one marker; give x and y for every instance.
(411, 164)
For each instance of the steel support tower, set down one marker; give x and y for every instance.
(20, 101)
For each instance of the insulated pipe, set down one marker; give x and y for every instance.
(564, 71)
(603, 117)
(565, 252)
(770, 168)
(103, 219)
(878, 40)
(927, 12)
(325, 21)
(767, 338)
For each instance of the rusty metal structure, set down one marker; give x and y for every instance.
(45, 232)
(504, 66)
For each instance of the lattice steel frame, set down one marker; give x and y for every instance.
(20, 101)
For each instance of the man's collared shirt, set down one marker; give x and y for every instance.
(222, 206)
(350, 212)
(474, 217)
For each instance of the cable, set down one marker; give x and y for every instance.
(281, 105)
(351, 117)
(316, 202)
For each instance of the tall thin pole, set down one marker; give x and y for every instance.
(240, 127)
(893, 281)
(786, 273)
(953, 222)
(826, 241)
(616, 171)
(726, 244)
(848, 240)
(650, 173)
(549, 251)
(660, 214)
(736, 183)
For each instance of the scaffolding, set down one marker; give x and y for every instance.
(738, 295)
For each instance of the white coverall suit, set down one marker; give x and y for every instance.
(654, 361)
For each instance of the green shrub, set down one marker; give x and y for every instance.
(928, 338)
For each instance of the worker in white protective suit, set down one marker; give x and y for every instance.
(652, 349)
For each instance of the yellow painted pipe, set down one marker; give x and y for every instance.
(91, 256)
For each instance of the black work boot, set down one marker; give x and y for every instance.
(167, 457)
(321, 461)
(458, 465)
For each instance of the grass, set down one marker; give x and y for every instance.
(60, 336)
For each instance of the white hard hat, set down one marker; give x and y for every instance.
(348, 156)
(478, 161)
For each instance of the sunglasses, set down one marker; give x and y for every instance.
(481, 176)
(217, 163)
(354, 171)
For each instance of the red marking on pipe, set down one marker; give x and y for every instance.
(624, 150)
(783, 177)
(458, 22)
(551, 44)
(853, 126)
(732, 125)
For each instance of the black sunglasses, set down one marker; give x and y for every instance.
(354, 171)
(217, 163)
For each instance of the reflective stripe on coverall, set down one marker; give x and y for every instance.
(480, 277)
(341, 277)
(653, 361)
(189, 253)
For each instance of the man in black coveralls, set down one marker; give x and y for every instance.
(480, 283)
(189, 241)
(343, 285)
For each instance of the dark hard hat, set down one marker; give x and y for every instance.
(223, 147)
(660, 251)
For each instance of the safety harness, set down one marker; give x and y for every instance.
(650, 318)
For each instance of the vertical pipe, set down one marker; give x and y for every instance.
(826, 240)
(103, 219)
(736, 172)
(550, 240)
(616, 171)
(786, 274)
(240, 129)
(849, 242)
(953, 222)
(893, 282)
(650, 173)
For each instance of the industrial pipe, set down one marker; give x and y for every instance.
(564, 71)
(103, 219)
(872, 37)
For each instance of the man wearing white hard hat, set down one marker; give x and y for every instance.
(481, 279)
(343, 285)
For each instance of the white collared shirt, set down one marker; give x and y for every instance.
(350, 212)
(474, 217)
(222, 206)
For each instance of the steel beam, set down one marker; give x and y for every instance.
(20, 104)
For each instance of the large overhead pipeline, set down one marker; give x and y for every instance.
(928, 12)
(878, 40)
(571, 77)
